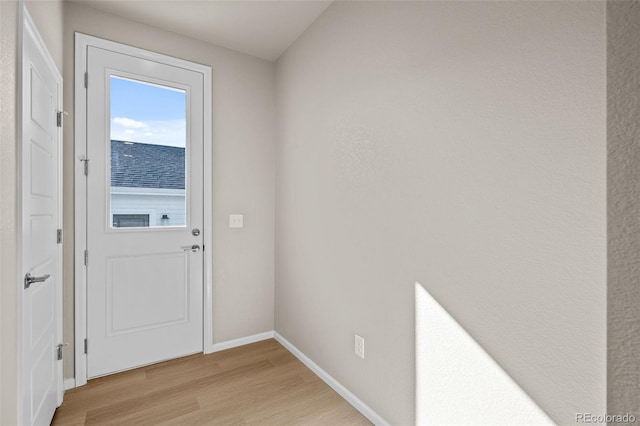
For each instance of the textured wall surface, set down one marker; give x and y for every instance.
(623, 206)
(481, 393)
(461, 145)
(8, 207)
(243, 169)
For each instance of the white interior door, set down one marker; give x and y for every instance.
(41, 288)
(144, 211)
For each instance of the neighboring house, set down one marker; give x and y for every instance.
(147, 185)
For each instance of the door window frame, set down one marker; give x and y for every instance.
(82, 43)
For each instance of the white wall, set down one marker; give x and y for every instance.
(461, 145)
(8, 208)
(455, 375)
(243, 169)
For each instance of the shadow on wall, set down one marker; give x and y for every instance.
(457, 382)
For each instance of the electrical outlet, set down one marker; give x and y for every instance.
(359, 346)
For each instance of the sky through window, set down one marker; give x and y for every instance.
(147, 113)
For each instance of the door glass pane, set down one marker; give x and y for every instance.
(148, 159)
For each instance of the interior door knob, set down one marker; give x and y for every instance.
(194, 248)
(28, 279)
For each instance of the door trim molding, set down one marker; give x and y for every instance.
(27, 28)
(82, 42)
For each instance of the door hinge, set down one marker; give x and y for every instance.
(86, 80)
(86, 257)
(86, 346)
(59, 118)
(59, 236)
(59, 350)
(85, 161)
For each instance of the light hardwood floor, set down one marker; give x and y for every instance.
(261, 383)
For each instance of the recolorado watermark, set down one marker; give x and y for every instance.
(605, 418)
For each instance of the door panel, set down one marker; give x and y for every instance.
(41, 374)
(145, 183)
(161, 308)
(42, 162)
(40, 301)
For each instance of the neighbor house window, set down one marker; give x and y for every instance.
(130, 220)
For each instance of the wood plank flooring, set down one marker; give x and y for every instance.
(261, 383)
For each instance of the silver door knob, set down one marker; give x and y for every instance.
(28, 279)
(194, 248)
(195, 232)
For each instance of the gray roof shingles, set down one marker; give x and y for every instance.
(141, 165)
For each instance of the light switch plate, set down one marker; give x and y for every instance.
(236, 221)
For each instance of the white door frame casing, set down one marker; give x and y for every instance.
(27, 28)
(82, 41)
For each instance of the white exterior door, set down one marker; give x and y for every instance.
(144, 211)
(41, 287)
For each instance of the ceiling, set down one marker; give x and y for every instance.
(263, 28)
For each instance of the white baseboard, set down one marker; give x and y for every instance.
(216, 347)
(69, 383)
(357, 403)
